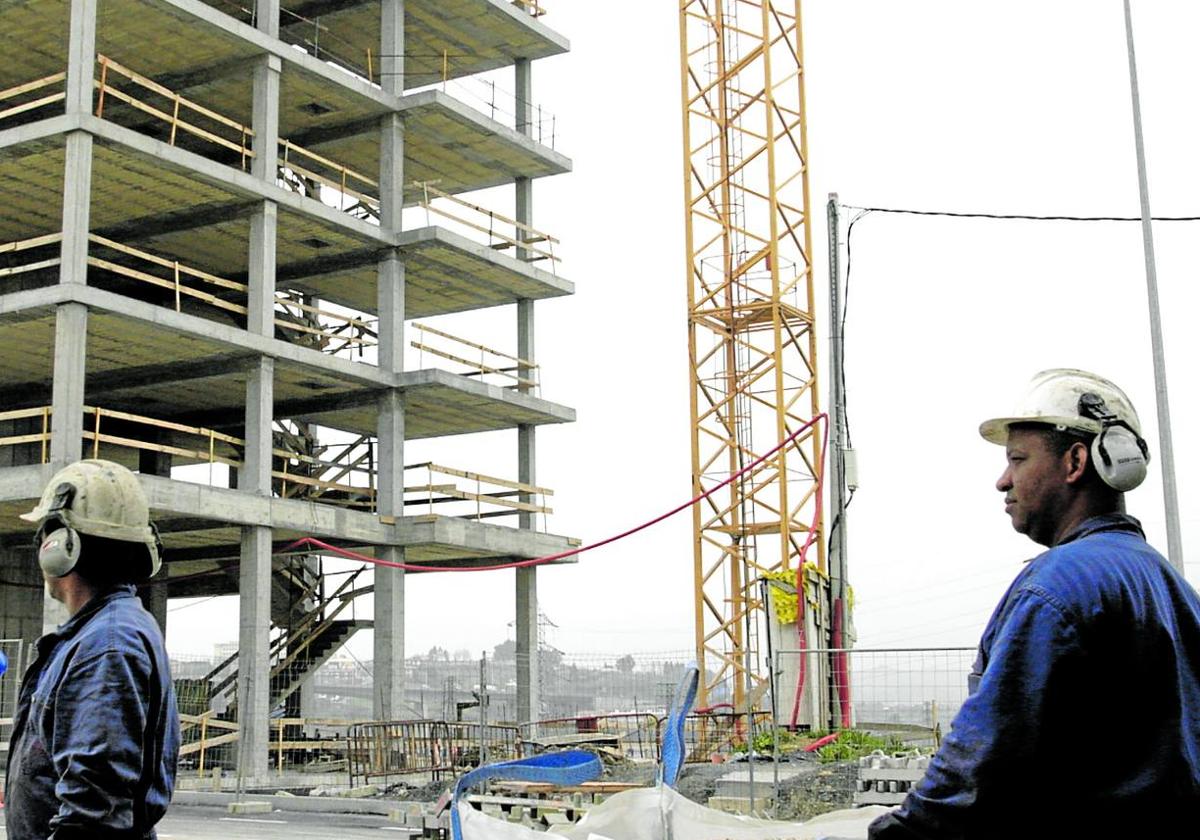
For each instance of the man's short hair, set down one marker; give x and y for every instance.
(104, 562)
(1058, 441)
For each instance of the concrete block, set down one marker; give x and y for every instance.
(359, 792)
(250, 807)
(739, 804)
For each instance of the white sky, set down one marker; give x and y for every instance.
(1017, 107)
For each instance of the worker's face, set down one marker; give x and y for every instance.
(1034, 485)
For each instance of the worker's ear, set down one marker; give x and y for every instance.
(1075, 459)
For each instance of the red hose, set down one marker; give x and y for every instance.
(801, 619)
(537, 561)
(820, 742)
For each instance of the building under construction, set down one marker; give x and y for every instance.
(219, 222)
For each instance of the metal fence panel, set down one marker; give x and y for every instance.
(902, 689)
(10, 685)
(634, 735)
(381, 749)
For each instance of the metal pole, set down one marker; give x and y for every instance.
(1170, 498)
(749, 705)
(837, 440)
(772, 670)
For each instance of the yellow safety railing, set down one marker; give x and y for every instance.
(503, 232)
(14, 100)
(184, 115)
(348, 479)
(514, 371)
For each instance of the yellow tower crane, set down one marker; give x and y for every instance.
(750, 326)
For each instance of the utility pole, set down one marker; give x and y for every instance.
(1166, 453)
(837, 471)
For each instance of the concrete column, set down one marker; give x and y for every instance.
(21, 600)
(81, 57)
(388, 674)
(67, 392)
(266, 16)
(528, 676)
(154, 599)
(254, 624)
(66, 418)
(391, 47)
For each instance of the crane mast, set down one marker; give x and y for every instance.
(751, 319)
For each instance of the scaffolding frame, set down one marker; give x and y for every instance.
(751, 318)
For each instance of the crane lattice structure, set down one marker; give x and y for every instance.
(751, 319)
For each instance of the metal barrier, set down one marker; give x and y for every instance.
(381, 749)
(914, 692)
(10, 685)
(635, 735)
(710, 734)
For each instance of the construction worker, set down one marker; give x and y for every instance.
(96, 734)
(1084, 713)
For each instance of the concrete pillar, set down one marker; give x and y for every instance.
(254, 624)
(388, 674)
(266, 16)
(528, 676)
(67, 392)
(81, 57)
(254, 577)
(21, 600)
(154, 599)
(391, 47)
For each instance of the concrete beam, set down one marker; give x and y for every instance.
(356, 373)
(555, 161)
(268, 44)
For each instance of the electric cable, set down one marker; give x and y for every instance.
(538, 561)
(1030, 217)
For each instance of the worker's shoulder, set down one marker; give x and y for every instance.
(1096, 566)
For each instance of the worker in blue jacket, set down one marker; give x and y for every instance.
(1084, 713)
(96, 734)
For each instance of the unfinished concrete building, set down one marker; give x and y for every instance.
(206, 274)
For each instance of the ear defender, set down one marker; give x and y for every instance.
(1119, 454)
(59, 552)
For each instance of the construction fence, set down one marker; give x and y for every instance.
(613, 703)
(16, 652)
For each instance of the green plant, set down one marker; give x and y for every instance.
(855, 743)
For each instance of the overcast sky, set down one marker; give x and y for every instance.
(1016, 107)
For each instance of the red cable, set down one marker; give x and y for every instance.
(537, 561)
(801, 630)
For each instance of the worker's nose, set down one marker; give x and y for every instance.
(1004, 482)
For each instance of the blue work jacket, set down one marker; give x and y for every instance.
(96, 735)
(1084, 713)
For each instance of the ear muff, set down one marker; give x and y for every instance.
(59, 552)
(1120, 457)
(1119, 454)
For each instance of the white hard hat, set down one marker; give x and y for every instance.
(1075, 400)
(100, 498)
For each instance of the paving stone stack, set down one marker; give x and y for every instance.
(885, 779)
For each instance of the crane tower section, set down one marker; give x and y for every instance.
(750, 326)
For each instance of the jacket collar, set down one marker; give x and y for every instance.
(75, 622)
(1105, 522)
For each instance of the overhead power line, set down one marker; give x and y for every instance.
(1029, 217)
